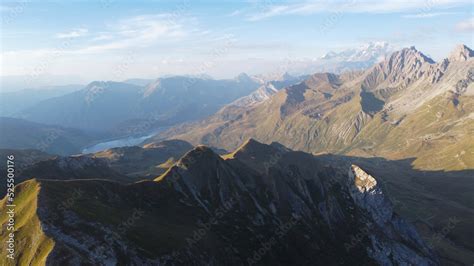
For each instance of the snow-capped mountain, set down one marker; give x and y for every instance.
(370, 52)
(261, 94)
(352, 59)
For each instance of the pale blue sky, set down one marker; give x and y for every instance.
(112, 39)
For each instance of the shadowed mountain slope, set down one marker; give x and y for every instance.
(22, 134)
(212, 210)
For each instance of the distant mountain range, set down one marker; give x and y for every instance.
(23, 134)
(352, 59)
(372, 52)
(405, 106)
(124, 108)
(15, 101)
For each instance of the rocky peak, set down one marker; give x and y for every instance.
(368, 195)
(243, 77)
(254, 149)
(400, 69)
(461, 53)
(260, 157)
(287, 76)
(319, 80)
(251, 145)
(260, 95)
(200, 155)
(363, 181)
(409, 55)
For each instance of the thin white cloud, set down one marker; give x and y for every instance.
(429, 15)
(102, 37)
(139, 31)
(73, 34)
(353, 6)
(235, 13)
(466, 25)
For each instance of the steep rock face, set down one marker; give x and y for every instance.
(212, 210)
(368, 195)
(261, 94)
(399, 70)
(461, 53)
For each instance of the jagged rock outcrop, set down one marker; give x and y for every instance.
(461, 53)
(368, 195)
(263, 93)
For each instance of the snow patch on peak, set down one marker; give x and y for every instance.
(372, 51)
(262, 94)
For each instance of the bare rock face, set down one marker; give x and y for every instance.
(461, 53)
(263, 93)
(388, 227)
(368, 195)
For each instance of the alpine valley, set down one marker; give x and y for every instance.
(370, 165)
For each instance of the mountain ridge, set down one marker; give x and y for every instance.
(202, 185)
(361, 114)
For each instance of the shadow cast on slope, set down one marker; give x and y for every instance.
(439, 203)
